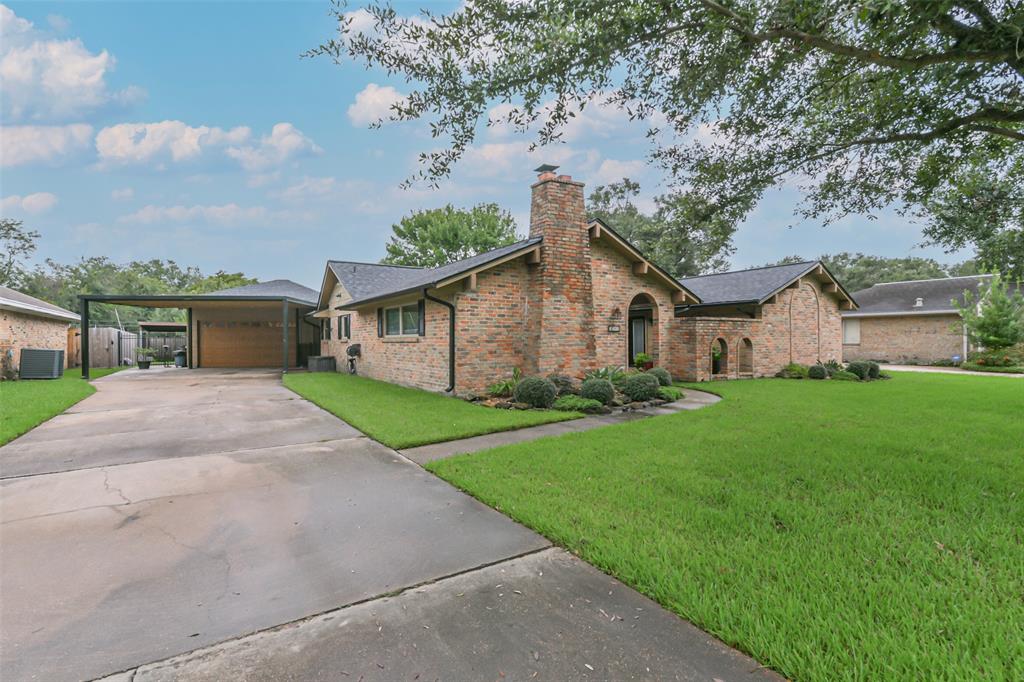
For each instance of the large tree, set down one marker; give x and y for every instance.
(862, 103)
(17, 245)
(442, 235)
(858, 271)
(669, 236)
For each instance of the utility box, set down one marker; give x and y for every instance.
(321, 363)
(41, 363)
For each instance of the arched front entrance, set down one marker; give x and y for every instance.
(719, 357)
(642, 328)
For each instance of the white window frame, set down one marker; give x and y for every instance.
(402, 331)
(343, 322)
(851, 331)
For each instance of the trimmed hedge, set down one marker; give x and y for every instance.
(861, 368)
(664, 378)
(873, 369)
(639, 387)
(817, 372)
(843, 375)
(670, 393)
(535, 392)
(600, 390)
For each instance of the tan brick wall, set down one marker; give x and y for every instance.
(18, 330)
(922, 338)
(803, 325)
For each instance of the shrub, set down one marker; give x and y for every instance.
(843, 375)
(639, 387)
(504, 389)
(664, 378)
(670, 393)
(611, 373)
(574, 403)
(565, 385)
(597, 389)
(535, 392)
(832, 366)
(873, 369)
(817, 372)
(641, 359)
(793, 370)
(989, 368)
(860, 368)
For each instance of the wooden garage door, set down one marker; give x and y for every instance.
(242, 344)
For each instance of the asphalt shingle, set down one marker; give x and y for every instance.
(745, 286)
(275, 288)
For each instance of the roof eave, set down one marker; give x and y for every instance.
(898, 313)
(39, 311)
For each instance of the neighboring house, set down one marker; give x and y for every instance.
(27, 322)
(571, 297)
(909, 321)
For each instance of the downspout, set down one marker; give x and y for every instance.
(451, 337)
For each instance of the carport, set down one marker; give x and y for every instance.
(258, 325)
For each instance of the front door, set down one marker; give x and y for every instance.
(637, 337)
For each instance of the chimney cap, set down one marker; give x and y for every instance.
(545, 168)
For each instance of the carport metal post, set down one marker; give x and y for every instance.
(83, 304)
(188, 345)
(284, 318)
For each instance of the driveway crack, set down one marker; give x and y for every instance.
(113, 489)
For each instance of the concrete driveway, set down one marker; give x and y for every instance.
(190, 511)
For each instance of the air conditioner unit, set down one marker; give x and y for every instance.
(41, 363)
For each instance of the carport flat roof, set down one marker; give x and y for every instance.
(176, 300)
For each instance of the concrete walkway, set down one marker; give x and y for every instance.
(947, 370)
(161, 530)
(691, 400)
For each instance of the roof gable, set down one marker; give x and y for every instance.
(757, 285)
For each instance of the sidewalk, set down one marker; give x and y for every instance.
(691, 400)
(946, 370)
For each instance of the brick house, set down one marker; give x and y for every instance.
(573, 296)
(909, 321)
(27, 322)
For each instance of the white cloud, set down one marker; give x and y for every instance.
(58, 23)
(373, 103)
(284, 142)
(225, 214)
(29, 144)
(516, 160)
(167, 140)
(613, 170)
(122, 194)
(40, 202)
(52, 80)
(309, 188)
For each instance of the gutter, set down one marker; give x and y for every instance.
(451, 337)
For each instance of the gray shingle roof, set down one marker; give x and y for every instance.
(31, 305)
(364, 279)
(275, 288)
(745, 286)
(381, 285)
(900, 297)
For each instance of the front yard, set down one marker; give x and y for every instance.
(403, 417)
(26, 404)
(833, 530)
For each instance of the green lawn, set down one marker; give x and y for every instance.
(25, 405)
(403, 417)
(831, 530)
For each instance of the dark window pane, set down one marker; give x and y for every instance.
(392, 322)
(410, 319)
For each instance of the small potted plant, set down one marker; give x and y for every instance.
(144, 356)
(643, 361)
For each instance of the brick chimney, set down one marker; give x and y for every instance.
(561, 304)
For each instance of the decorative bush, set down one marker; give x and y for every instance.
(625, 375)
(793, 370)
(641, 359)
(861, 368)
(638, 387)
(670, 393)
(565, 385)
(664, 378)
(574, 403)
(597, 389)
(503, 389)
(995, 369)
(611, 373)
(817, 372)
(843, 375)
(832, 366)
(873, 369)
(535, 392)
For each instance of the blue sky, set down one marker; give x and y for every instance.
(195, 132)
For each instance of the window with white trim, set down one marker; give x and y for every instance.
(345, 326)
(402, 320)
(325, 329)
(851, 331)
